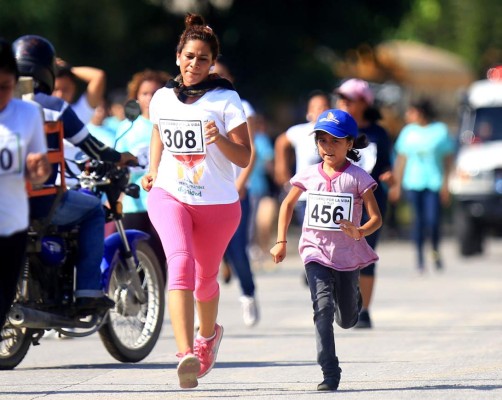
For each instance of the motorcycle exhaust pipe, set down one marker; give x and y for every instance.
(24, 317)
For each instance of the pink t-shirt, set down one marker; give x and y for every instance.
(333, 248)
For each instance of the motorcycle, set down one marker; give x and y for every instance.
(131, 276)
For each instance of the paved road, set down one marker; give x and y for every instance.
(438, 336)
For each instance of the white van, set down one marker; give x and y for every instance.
(476, 181)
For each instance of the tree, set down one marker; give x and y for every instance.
(471, 29)
(281, 49)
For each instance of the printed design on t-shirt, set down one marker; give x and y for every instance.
(184, 139)
(193, 174)
(10, 152)
(187, 187)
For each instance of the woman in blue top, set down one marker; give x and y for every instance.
(424, 156)
(135, 137)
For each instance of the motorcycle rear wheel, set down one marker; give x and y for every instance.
(14, 346)
(132, 329)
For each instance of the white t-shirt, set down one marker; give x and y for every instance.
(249, 112)
(305, 148)
(189, 170)
(83, 109)
(21, 132)
(84, 113)
(248, 108)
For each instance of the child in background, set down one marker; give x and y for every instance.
(332, 244)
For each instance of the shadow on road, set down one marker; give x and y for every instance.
(154, 366)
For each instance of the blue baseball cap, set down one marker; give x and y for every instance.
(337, 123)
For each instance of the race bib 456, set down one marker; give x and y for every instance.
(326, 209)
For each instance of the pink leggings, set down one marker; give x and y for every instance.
(194, 239)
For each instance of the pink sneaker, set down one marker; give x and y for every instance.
(207, 350)
(188, 369)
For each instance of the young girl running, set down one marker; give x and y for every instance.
(332, 244)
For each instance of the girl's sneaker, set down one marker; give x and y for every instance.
(329, 384)
(207, 350)
(188, 369)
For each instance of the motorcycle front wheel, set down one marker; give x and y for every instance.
(132, 328)
(14, 345)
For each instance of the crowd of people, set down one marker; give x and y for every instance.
(209, 165)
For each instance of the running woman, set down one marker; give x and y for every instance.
(199, 133)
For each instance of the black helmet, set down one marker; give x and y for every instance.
(36, 57)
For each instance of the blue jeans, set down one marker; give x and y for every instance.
(426, 206)
(335, 297)
(86, 211)
(236, 254)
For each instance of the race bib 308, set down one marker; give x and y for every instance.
(183, 137)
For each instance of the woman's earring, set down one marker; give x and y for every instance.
(211, 69)
(178, 62)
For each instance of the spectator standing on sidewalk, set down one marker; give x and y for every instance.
(236, 256)
(97, 127)
(297, 138)
(66, 87)
(424, 158)
(356, 98)
(135, 137)
(332, 245)
(116, 113)
(262, 194)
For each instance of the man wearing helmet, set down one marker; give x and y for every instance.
(35, 58)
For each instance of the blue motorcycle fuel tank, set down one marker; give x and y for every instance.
(53, 250)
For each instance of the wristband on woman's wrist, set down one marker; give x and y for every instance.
(281, 241)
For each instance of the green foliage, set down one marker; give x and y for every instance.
(120, 36)
(281, 49)
(472, 29)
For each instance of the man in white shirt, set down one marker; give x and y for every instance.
(66, 85)
(305, 151)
